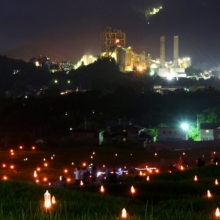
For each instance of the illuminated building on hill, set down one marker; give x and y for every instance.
(86, 60)
(175, 68)
(113, 44)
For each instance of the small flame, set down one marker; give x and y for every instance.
(148, 178)
(140, 173)
(35, 174)
(102, 189)
(124, 213)
(81, 183)
(216, 182)
(182, 168)
(217, 213)
(209, 194)
(47, 201)
(53, 200)
(195, 178)
(132, 190)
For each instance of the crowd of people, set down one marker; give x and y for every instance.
(182, 162)
(87, 174)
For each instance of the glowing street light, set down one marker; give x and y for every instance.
(185, 128)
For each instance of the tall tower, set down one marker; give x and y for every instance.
(162, 51)
(175, 51)
(110, 39)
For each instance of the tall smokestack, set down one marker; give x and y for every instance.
(162, 51)
(175, 51)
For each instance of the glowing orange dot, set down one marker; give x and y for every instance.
(45, 164)
(33, 148)
(65, 171)
(68, 179)
(38, 169)
(12, 167)
(5, 178)
(21, 147)
(45, 179)
(84, 164)
(11, 150)
(12, 153)
(3, 165)
(37, 181)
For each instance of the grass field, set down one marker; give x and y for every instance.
(165, 196)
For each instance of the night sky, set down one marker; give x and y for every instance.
(68, 29)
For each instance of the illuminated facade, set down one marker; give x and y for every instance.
(86, 60)
(175, 68)
(113, 43)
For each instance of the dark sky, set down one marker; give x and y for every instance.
(68, 29)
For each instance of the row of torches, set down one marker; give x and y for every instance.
(48, 199)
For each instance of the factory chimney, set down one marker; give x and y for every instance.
(175, 51)
(162, 51)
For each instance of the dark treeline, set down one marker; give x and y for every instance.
(112, 96)
(55, 115)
